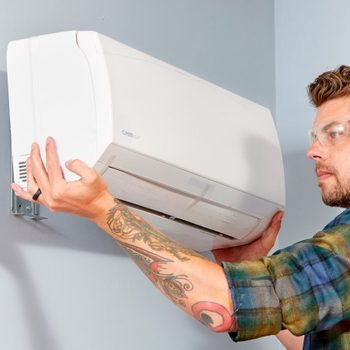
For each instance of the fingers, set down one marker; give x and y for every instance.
(217, 255)
(21, 192)
(37, 170)
(54, 169)
(277, 218)
(270, 235)
(221, 254)
(80, 168)
(31, 183)
(37, 176)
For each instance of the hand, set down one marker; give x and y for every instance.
(85, 197)
(254, 250)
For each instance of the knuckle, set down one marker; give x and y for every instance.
(57, 194)
(53, 205)
(50, 204)
(74, 162)
(92, 176)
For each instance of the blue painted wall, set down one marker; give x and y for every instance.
(64, 284)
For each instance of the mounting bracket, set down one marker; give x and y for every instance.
(22, 207)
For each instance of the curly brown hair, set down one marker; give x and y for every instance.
(329, 85)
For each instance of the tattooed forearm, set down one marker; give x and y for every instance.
(131, 229)
(126, 226)
(178, 272)
(213, 315)
(173, 286)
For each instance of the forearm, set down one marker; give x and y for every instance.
(195, 284)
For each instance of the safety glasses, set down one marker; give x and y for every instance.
(330, 134)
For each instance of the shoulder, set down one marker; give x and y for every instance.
(336, 239)
(342, 218)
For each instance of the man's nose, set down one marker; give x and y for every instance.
(317, 151)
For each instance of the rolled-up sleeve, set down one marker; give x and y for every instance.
(304, 288)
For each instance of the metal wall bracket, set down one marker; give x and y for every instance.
(22, 207)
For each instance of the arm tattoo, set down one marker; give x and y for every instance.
(214, 316)
(128, 226)
(173, 286)
(131, 230)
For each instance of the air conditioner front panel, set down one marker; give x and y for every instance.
(179, 205)
(198, 239)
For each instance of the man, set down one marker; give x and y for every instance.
(304, 288)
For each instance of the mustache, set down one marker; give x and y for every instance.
(326, 169)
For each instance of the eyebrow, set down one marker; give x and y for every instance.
(328, 126)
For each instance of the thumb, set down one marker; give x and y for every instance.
(78, 167)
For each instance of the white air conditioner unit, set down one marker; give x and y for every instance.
(199, 162)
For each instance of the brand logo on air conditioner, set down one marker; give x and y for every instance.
(130, 134)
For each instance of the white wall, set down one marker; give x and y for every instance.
(64, 284)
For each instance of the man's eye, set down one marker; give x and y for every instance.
(333, 135)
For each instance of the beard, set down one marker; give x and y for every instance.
(339, 196)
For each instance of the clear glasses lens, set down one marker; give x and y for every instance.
(312, 136)
(330, 134)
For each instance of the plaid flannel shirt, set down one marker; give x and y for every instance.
(304, 288)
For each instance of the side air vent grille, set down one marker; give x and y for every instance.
(22, 171)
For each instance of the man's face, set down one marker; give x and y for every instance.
(331, 151)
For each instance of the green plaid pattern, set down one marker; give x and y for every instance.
(304, 288)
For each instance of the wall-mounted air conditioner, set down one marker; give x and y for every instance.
(199, 162)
